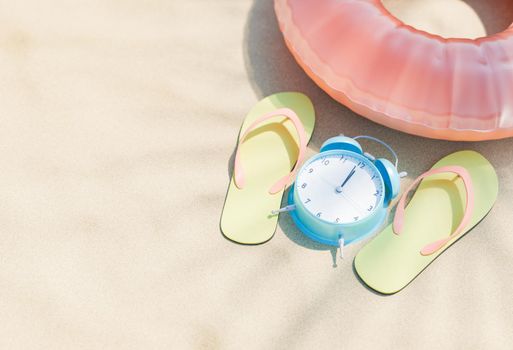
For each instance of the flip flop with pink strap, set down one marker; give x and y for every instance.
(272, 141)
(451, 198)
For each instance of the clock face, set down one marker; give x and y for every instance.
(340, 187)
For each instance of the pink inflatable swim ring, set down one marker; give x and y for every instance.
(399, 76)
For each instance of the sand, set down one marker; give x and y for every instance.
(119, 120)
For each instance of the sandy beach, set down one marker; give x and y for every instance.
(119, 122)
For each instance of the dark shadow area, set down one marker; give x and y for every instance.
(496, 15)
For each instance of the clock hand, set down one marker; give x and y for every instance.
(351, 173)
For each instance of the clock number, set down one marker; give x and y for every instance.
(376, 193)
(361, 165)
(370, 208)
(308, 200)
(343, 158)
(326, 162)
(373, 177)
(304, 185)
(356, 218)
(319, 214)
(310, 170)
(337, 220)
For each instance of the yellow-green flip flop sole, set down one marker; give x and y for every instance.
(390, 262)
(268, 153)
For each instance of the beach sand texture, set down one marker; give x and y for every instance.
(119, 120)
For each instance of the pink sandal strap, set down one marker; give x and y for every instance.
(469, 206)
(239, 175)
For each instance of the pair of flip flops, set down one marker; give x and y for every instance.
(451, 198)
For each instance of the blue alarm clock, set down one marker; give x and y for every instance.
(341, 195)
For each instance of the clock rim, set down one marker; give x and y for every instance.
(355, 155)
